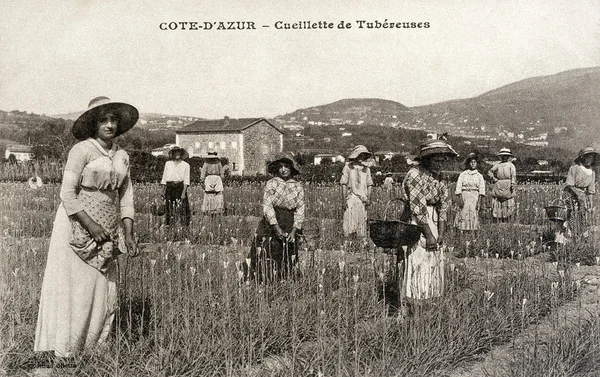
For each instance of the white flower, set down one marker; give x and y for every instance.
(488, 295)
(193, 270)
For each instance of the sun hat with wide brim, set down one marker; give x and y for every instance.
(587, 151)
(211, 154)
(504, 152)
(272, 166)
(86, 125)
(435, 146)
(173, 150)
(357, 151)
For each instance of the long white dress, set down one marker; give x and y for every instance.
(78, 302)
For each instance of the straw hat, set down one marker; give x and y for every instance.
(434, 146)
(504, 152)
(177, 148)
(586, 152)
(86, 125)
(357, 151)
(272, 166)
(211, 154)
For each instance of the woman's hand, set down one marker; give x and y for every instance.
(278, 232)
(98, 233)
(431, 243)
(291, 237)
(131, 244)
(183, 195)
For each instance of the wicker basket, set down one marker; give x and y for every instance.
(557, 211)
(393, 233)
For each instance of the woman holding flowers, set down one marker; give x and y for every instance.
(274, 250)
(504, 176)
(356, 184)
(427, 196)
(470, 187)
(79, 291)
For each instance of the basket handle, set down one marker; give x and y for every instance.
(388, 204)
(558, 200)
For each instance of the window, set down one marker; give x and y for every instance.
(223, 145)
(233, 166)
(234, 145)
(211, 144)
(197, 145)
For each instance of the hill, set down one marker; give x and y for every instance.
(559, 110)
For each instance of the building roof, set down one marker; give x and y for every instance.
(222, 126)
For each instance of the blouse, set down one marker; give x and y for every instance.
(504, 170)
(582, 178)
(285, 194)
(423, 189)
(176, 171)
(357, 178)
(89, 166)
(211, 168)
(470, 180)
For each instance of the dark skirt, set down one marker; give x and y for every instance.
(175, 207)
(270, 257)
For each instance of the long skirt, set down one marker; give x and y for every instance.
(503, 208)
(78, 302)
(424, 270)
(212, 204)
(355, 217)
(176, 209)
(270, 257)
(468, 218)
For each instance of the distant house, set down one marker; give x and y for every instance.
(324, 157)
(162, 151)
(21, 152)
(247, 143)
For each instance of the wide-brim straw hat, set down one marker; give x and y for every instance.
(586, 152)
(86, 125)
(211, 154)
(272, 166)
(435, 146)
(472, 156)
(184, 153)
(504, 152)
(357, 151)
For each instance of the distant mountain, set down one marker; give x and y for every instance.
(346, 111)
(562, 110)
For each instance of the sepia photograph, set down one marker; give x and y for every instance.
(300, 188)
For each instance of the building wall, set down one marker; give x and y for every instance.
(226, 144)
(261, 142)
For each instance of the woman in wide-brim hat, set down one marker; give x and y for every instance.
(504, 176)
(428, 201)
(581, 181)
(211, 176)
(175, 182)
(357, 184)
(470, 188)
(274, 250)
(93, 224)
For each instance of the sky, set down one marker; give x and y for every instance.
(56, 56)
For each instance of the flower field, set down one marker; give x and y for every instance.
(186, 310)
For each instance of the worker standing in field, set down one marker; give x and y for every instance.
(211, 176)
(504, 177)
(274, 250)
(470, 188)
(428, 202)
(175, 182)
(581, 183)
(93, 225)
(356, 184)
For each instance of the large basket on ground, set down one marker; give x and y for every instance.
(557, 211)
(393, 233)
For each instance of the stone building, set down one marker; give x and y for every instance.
(247, 143)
